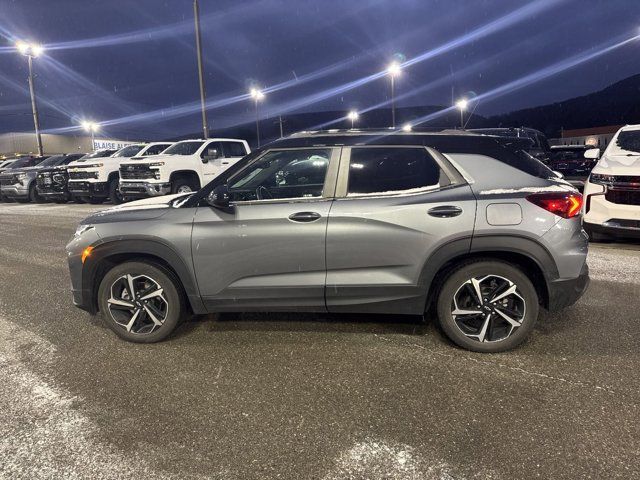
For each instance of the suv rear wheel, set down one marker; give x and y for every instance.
(141, 302)
(487, 306)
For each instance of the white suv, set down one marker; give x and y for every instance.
(612, 191)
(96, 180)
(184, 167)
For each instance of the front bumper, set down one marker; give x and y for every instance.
(564, 293)
(89, 189)
(15, 191)
(144, 189)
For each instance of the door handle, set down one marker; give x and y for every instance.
(304, 217)
(445, 211)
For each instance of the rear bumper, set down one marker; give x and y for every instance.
(564, 293)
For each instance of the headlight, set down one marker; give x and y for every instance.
(602, 179)
(80, 229)
(22, 176)
(156, 164)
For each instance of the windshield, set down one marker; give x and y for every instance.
(22, 162)
(97, 154)
(52, 161)
(129, 151)
(627, 143)
(183, 148)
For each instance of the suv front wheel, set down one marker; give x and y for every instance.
(487, 306)
(141, 302)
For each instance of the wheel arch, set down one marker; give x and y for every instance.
(186, 173)
(530, 256)
(112, 176)
(106, 255)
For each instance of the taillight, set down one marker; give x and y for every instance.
(565, 205)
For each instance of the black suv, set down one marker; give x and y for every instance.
(570, 162)
(539, 148)
(52, 181)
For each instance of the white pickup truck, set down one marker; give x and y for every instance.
(95, 180)
(184, 167)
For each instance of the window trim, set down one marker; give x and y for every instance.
(342, 187)
(330, 179)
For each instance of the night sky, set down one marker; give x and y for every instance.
(131, 65)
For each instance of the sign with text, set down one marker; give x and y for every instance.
(101, 144)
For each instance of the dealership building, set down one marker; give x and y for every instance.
(21, 143)
(596, 136)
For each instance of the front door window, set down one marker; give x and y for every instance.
(282, 174)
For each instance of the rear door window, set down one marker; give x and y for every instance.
(388, 170)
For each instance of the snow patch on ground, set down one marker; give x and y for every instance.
(621, 266)
(42, 432)
(381, 460)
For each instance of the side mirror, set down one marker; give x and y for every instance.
(592, 154)
(220, 197)
(211, 154)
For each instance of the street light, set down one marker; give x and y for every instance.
(462, 105)
(31, 51)
(353, 116)
(407, 127)
(257, 95)
(393, 70)
(203, 90)
(93, 128)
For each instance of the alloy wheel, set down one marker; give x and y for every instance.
(138, 304)
(184, 189)
(488, 308)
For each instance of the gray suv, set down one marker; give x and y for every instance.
(458, 225)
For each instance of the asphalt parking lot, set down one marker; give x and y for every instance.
(307, 396)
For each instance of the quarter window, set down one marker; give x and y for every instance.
(390, 170)
(281, 174)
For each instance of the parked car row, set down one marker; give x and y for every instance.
(135, 171)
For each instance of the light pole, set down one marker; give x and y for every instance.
(353, 116)
(93, 128)
(31, 51)
(393, 70)
(257, 95)
(462, 105)
(203, 93)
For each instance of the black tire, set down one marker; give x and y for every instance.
(182, 182)
(175, 302)
(114, 192)
(34, 196)
(493, 270)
